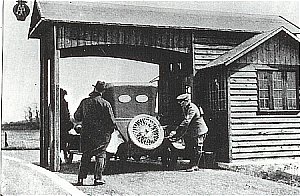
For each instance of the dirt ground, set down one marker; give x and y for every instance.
(149, 178)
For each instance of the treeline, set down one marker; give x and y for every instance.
(21, 125)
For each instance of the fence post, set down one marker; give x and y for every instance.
(5, 139)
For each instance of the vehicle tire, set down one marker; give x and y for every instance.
(146, 132)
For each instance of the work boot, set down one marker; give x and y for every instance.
(99, 182)
(79, 182)
(194, 168)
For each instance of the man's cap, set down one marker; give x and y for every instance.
(185, 96)
(100, 86)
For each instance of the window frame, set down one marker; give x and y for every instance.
(271, 109)
(217, 88)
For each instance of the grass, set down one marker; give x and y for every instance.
(21, 139)
(287, 172)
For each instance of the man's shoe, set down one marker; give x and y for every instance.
(194, 168)
(79, 182)
(99, 182)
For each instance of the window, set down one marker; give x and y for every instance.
(124, 98)
(277, 90)
(217, 93)
(141, 98)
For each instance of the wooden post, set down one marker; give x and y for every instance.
(192, 64)
(163, 99)
(229, 128)
(55, 104)
(43, 104)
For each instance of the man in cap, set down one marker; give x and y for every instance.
(192, 129)
(98, 123)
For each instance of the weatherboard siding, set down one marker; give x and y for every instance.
(209, 45)
(254, 135)
(203, 54)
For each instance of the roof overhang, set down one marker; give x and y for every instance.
(139, 16)
(246, 47)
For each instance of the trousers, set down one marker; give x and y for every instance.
(99, 165)
(194, 148)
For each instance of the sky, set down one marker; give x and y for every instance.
(20, 68)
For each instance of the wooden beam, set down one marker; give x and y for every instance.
(43, 104)
(229, 113)
(55, 105)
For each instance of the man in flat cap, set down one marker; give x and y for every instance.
(192, 129)
(98, 122)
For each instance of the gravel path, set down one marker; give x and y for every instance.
(206, 182)
(148, 178)
(132, 179)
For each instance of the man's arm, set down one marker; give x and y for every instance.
(111, 118)
(181, 130)
(78, 115)
(188, 118)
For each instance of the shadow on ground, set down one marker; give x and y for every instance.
(122, 167)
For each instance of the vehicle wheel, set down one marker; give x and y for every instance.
(146, 132)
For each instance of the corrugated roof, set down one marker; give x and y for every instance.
(97, 12)
(246, 46)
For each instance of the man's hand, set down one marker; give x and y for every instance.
(173, 139)
(172, 133)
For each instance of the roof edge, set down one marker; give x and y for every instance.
(263, 39)
(36, 12)
(290, 23)
(264, 36)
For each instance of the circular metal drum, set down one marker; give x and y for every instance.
(146, 132)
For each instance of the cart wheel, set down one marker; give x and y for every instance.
(146, 132)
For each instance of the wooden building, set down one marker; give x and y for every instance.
(251, 97)
(227, 61)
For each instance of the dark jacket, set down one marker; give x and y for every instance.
(193, 122)
(65, 122)
(98, 122)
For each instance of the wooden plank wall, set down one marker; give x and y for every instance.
(254, 135)
(74, 35)
(280, 49)
(209, 45)
(259, 136)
